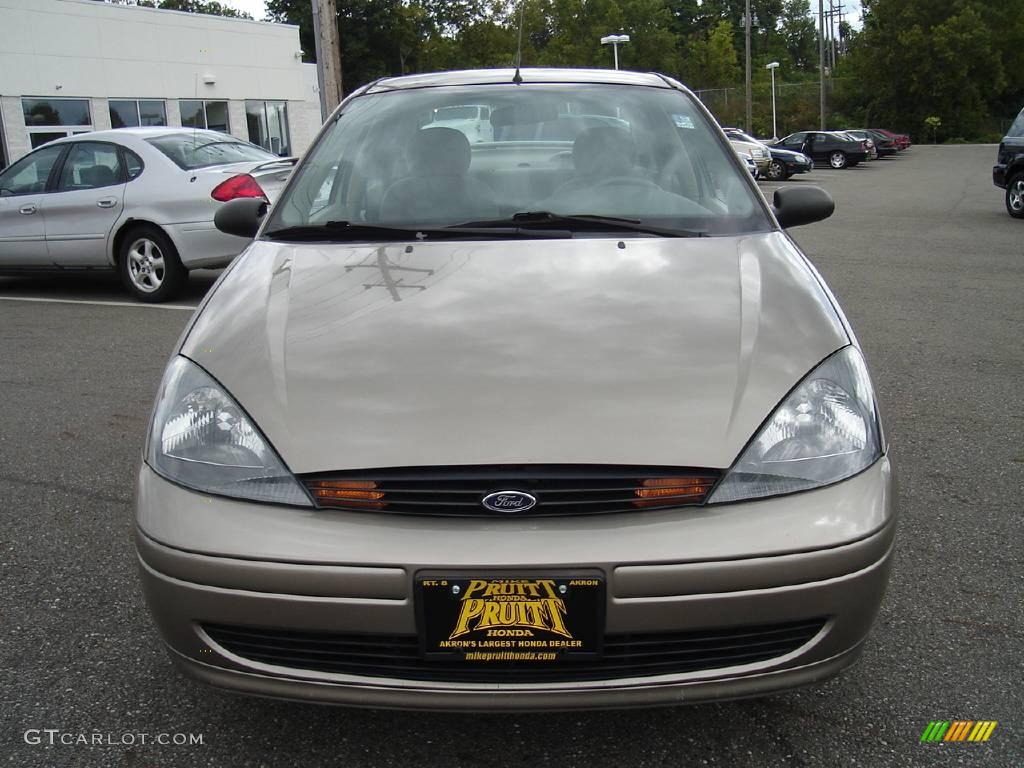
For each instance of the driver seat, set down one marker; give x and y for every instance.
(438, 188)
(599, 153)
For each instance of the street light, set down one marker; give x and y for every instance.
(614, 40)
(772, 67)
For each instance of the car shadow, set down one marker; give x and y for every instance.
(96, 286)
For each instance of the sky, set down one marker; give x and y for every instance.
(255, 8)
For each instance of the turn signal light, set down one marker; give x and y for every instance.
(346, 493)
(242, 185)
(663, 491)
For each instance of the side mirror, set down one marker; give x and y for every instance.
(241, 216)
(794, 206)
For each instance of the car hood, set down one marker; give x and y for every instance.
(787, 154)
(646, 351)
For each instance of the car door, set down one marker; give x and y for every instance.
(85, 205)
(817, 146)
(22, 190)
(794, 141)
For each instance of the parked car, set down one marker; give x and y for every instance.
(826, 147)
(1008, 172)
(137, 200)
(749, 162)
(546, 424)
(474, 120)
(786, 163)
(758, 152)
(782, 163)
(884, 145)
(902, 140)
(866, 140)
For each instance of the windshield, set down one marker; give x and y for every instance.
(744, 137)
(1017, 129)
(201, 149)
(639, 153)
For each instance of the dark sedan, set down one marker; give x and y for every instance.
(901, 139)
(786, 163)
(826, 147)
(783, 162)
(884, 145)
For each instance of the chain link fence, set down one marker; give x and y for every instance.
(796, 106)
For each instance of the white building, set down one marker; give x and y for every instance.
(70, 66)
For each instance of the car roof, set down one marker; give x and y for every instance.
(134, 137)
(535, 75)
(113, 134)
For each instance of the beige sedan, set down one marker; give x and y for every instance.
(558, 422)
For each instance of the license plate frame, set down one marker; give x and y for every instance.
(547, 626)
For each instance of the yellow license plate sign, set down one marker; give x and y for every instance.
(517, 620)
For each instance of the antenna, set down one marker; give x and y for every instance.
(518, 78)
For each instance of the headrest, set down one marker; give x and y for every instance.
(97, 176)
(603, 151)
(439, 152)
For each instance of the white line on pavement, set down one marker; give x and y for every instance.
(98, 303)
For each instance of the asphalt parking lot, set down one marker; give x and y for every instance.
(930, 270)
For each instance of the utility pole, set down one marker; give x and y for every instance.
(835, 19)
(328, 54)
(821, 58)
(750, 107)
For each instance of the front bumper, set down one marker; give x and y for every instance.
(999, 175)
(796, 166)
(823, 554)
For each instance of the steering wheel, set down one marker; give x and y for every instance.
(627, 181)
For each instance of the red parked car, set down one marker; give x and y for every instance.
(901, 139)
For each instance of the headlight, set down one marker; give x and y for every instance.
(826, 430)
(202, 439)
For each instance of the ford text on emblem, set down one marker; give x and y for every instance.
(509, 501)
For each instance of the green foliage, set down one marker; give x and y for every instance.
(210, 7)
(958, 60)
(712, 60)
(950, 59)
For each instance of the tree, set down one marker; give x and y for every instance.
(800, 34)
(921, 58)
(713, 62)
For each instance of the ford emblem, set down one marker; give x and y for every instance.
(509, 501)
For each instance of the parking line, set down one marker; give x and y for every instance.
(98, 303)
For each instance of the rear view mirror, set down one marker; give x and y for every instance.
(241, 217)
(794, 206)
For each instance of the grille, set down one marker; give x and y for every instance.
(397, 656)
(559, 490)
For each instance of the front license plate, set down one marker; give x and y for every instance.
(511, 619)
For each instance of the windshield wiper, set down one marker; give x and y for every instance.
(583, 221)
(342, 231)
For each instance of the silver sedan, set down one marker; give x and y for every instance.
(561, 421)
(138, 200)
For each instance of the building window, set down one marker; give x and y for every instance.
(49, 119)
(205, 114)
(268, 126)
(128, 113)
